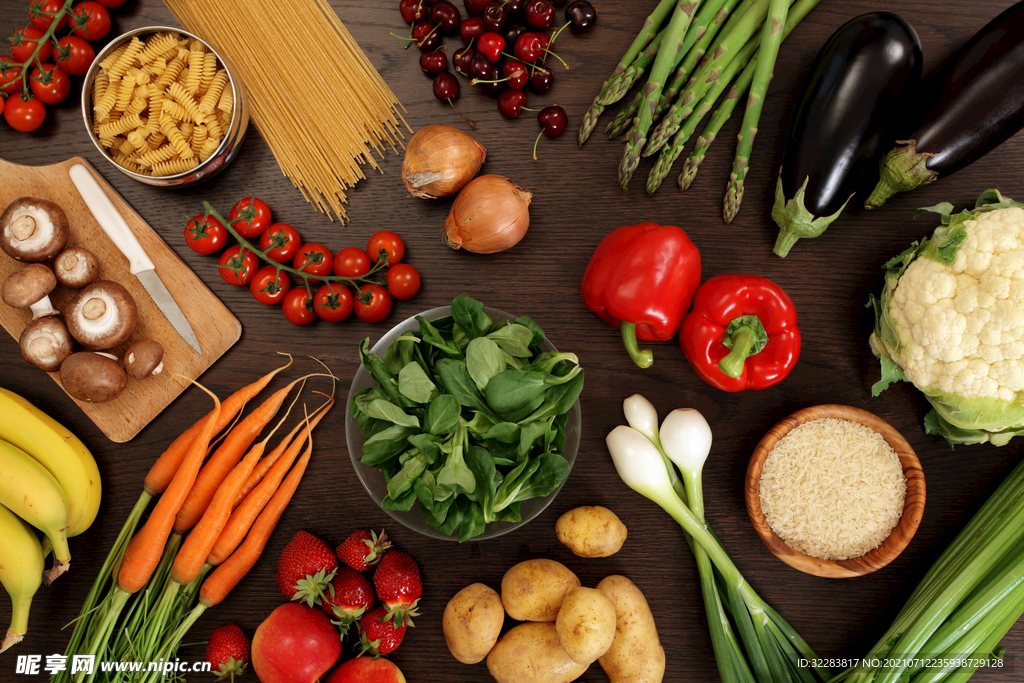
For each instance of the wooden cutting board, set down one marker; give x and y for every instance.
(215, 327)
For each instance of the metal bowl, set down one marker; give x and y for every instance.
(373, 480)
(233, 137)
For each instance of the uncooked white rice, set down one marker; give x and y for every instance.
(832, 489)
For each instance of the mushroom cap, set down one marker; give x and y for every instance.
(144, 359)
(102, 315)
(24, 287)
(33, 230)
(76, 267)
(92, 377)
(45, 343)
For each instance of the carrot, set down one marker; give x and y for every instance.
(167, 464)
(265, 465)
(225, 458)
(245, 514)
(225, 577)
(143, 552)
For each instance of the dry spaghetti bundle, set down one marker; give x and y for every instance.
(321, 106)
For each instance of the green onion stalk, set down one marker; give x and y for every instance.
(768, 650)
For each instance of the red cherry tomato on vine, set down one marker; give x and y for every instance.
(237, 268)
(389, 242)
(403, 281)
(24, 115)
(333, 302)
(36, 15)
(283, 242)
(23, 44)
(111, 3)
(73, 54)
(90, 19)
(351, 262)
(250, 217)
(377, 308)
(269, 285)
(50, 84)
(298, 307)
(314, 259)
(10, 76)
(205, 234)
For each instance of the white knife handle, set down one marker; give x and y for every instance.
(110, 219)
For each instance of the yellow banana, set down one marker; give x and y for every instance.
(21, 571)
(59, 451)
(30, 492)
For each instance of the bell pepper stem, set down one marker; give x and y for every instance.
(642, 357)
(743, 342)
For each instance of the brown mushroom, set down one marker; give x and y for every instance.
(92, 377)
(30, 288)
(76, 267)
(102, 315)
(45, 343)
(33, 229)
(144, 359)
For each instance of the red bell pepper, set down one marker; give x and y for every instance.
(641, 279)
(741, 333)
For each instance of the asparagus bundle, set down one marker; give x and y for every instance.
(730, 47)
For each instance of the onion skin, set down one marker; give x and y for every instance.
(491, 214)
(440, 161)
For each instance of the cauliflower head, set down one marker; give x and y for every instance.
(951, 321)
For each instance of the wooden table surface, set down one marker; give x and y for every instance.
(576, 202)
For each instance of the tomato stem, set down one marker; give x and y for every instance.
(43, 40)
(354, 282)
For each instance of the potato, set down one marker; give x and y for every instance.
(591, 531)
(586, 624)
(530, 653)
(534, 590)
(636, 655)
(472, 622)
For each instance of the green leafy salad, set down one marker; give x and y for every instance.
(469, 418)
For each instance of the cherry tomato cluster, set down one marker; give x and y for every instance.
(506, 47)
(38, 71)
(333, 285)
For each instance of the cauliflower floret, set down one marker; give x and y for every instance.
(961, 327)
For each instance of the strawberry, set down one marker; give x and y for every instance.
(228, 651)
(305, 569)
(377, 636)
(399, 587)
(363, 549)
(349, 597)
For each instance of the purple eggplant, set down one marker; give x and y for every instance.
(973, 105)
(858, 87)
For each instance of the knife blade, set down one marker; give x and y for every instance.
(113, 223)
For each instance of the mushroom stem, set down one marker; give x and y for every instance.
(42, 308)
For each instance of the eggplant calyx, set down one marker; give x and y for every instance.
(795, 221)
(902, 169)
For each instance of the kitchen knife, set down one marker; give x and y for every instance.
(117, 230)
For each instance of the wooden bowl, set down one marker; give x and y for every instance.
(890, 548)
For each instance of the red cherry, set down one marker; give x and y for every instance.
(433, 62)
(470, 28)
(540, 13)
(517, 73)
(476, 7)
(427, 35)
(528, 47)
(447, 16)
(480, 66)
(495, 16)
(495, 85)
(513, 30)
(412, 10)
(446, 87)
(513, 6)
(581, 16)
(491, 45)
(554, 120)
(541, 80)
(510, 102)
(462, 59)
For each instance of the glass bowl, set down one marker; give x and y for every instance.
(373, 479)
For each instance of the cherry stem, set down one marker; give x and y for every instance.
(464, 117)
(557, 57)
(536, 142)
(558, 33)
(515, 74)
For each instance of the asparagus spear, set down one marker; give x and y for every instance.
(721, 53)
(771, 39)
(797, 12)
(670, 46)
(647, 33)
(670, 153)
(700, 34)
(692, 59)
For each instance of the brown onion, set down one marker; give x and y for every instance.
(490, 215)
(440, 160)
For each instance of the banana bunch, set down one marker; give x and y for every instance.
(48, 480)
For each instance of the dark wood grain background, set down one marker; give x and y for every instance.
(576, 202)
